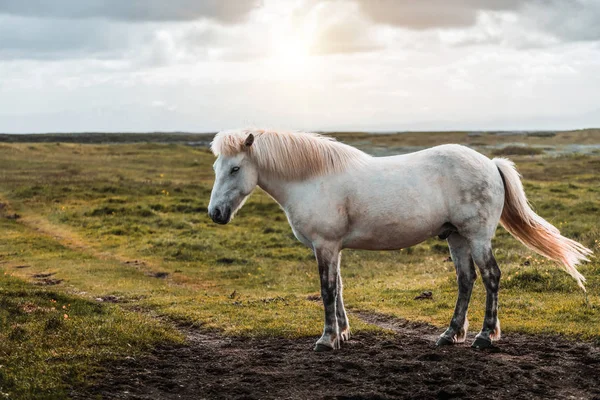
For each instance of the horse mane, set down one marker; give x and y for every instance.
(290, 155)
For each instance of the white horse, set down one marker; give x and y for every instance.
(336, 197)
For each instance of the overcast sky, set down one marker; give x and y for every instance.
(206, 65)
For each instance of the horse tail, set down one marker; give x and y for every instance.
(532, 230)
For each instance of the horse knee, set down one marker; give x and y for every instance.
(489, 269)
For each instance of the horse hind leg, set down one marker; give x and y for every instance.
(490, 274)
(465, 276)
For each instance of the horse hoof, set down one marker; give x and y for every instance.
(320, 348)
(345, 335)
(481, 343)
(443, 341)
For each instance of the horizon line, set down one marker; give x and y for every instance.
(374, 131)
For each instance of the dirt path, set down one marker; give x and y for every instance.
(403, 365)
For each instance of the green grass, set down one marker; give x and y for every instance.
(50, 340)
(129, 221)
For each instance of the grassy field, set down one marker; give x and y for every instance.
(107, 248)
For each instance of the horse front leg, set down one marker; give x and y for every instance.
(340, 311)
(328, 257)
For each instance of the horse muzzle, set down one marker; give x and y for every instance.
(220, 215)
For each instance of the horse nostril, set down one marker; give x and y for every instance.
(220, 216)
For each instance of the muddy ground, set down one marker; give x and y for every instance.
(403, 365)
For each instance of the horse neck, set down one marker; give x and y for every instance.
(278, 189)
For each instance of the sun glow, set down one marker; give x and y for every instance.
(291, 52)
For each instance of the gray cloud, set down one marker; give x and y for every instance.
(228, 11)
(535, 25)
(139, 44)
(430, 14)
(46, 38)
(567, 20)
(115, 29)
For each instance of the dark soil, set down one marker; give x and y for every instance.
(48, 282)
(405, 364)
(110, 299)
(40, 276)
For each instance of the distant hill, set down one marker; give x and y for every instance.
(198, 139)
(582, 136)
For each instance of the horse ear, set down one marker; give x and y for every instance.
(249, 140)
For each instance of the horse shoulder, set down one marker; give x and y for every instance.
(317, 210)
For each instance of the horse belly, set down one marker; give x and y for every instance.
(386, 237)
(394, 232)
(392, 215)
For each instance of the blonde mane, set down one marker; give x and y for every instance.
(290, 155)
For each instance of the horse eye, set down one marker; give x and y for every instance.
(235, 169)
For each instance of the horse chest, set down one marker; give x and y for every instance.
(316, 225)
(303, 239)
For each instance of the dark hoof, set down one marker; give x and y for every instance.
(322, 348)
(442, 341)
(481, 343)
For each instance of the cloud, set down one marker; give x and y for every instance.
(359, 26)
(340, 29)
(191, 42)
(499, 29)
(343, 39)
(567, 20)
(228, 11)
(538, 20)
(44, 38)
(103, 33)
(431, 14)
(535, 25)
(148, 44)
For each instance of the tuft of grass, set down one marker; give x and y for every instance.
(536, 280)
